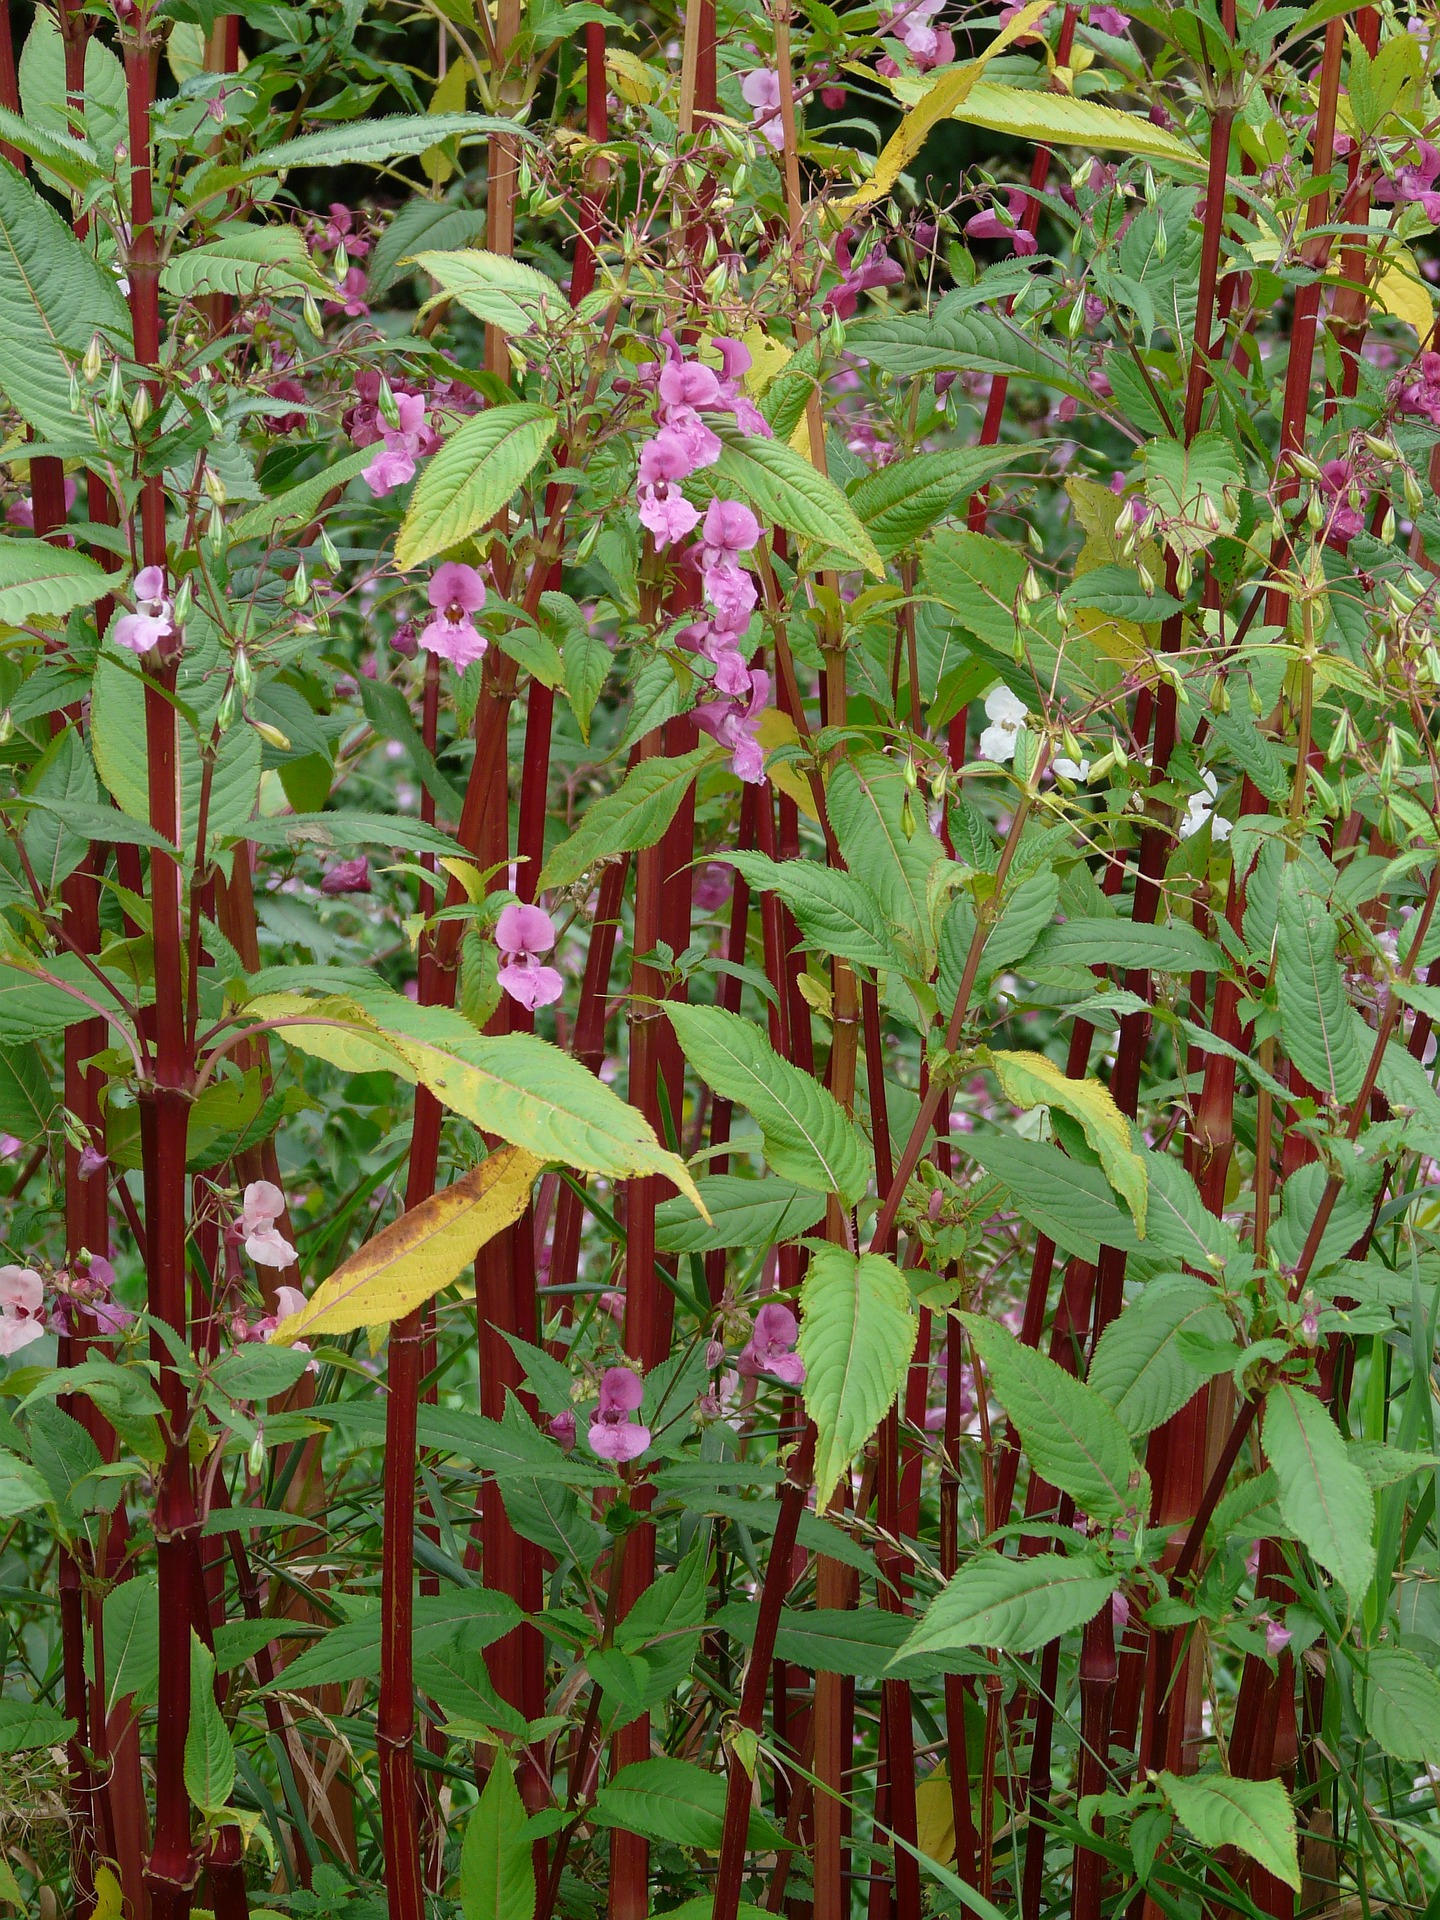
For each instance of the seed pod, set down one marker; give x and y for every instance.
(115, 389)
(272, 736)
(299, 591)
(1030, 589)
(1304, 465)
(1314, 512)
(213, 485)
(341, 266)
(1147, 579)
(1219, 701)
(93, 365)
(1387, 526)
(1184, 573)
(389, 409)
(1162, 239)
(256, 1460)
(225, 712)
(313, 319)
(907, 816)
(1411, 488)
(244, 673)
(140, 407)
(216, 528)
(184, 600)
(329, 553)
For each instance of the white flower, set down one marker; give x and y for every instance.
(1078, 771)
(1200, 807)
(1007, 715)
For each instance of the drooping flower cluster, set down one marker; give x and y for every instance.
(877, 269)
(153, 618)
(523, 933)
(928, 45)
(684, 445)
(402, 443)
(760, 90)
(88, 1283)
(994, 225)
(614, 1435)
(771, 1346)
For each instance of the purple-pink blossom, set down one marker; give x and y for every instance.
(736, 728)
(340, 231)
(1277, 1637)
(771, 1346)
(1419, 390)
(914, 24)
(152, 619)
(522, 933)
(455, 592)
(664, 511)
(22, 1299)
(877, 269)
(352, 299)
(347, 876)
(613, 1434)
(1109, 20)
(403, 445)
(992, 225)
(1345, 519)
(21, 513)
(262, 1205)
(760, 90)
(562, 1428)
(1416, 182)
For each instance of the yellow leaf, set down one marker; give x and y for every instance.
(448, 97)
(1120, 640)
(421, 1252)
(469, 876)
(768, 356)
(1033, 1080)
(1403, 294)
(630, 78)
(935, 1817)
(777, 729)
(1056, 119)
(937, 103)
(109, 1901)
(800, 438)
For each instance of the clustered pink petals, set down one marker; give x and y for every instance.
(1345, 520)
(89, 1284)
(152, 620)
(347, 876)
(22, 1299)
(522, 933)
(341, 231)
(455, 592)
(352, 299)
(21, 513)
(262, 1206)
(992, 225)
(736, 727)
(613, 1434)
(403, 445)
(771, 1346)
(928, 45)
(1109, 20)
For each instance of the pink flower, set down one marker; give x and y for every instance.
(395, 463)
(1337, 478)
(991, 225)
(1008, 13)
(735, 363)
(1119, 1611)
(262, 1206)
(9, 1146)
(151, 622)
(928, 45)
(730, 528)
(92, 1161)
(613, 1435)
(347, 876)
(612, 1301)
(770, 1348)
(285, 422)
(562, 1426)
(455, 592)
(1416, 182)
(352, 299)
(340, 231)
(736, 730)
(666, 513)
(521, 933)
(1420, 391)
(22, 1296)
(1277, 1638)
(1109, 20)
(713, 885)
(96, 1291)
(760, 91)
(21, 513)
(877, 269)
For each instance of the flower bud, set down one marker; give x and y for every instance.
(312, 315)
(213, 485)
(93, 365)
(256, 1461)
(329, 552)
(244, 673)
(272, 736)
(115, 389)
(1387, 527)
(389, 408)
(140, 407)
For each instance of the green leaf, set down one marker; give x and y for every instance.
(1324, 1497)
(859, 1642)
(467, 481)
(1254, 1815)
(1033, 1079)
(836, 913)
(369, 143)
(497, 1872)
(865, 799)
(1117, 590)
(515, 1085)
(70, 160)
(28, 1724)
(1127, 945)
(1069, 1202)
(27, 1100)
(245, 260)
(675, 1801)
(504, 293)
(1070, 1435)
(665, 1624)
(1012, 1605)
(330, 832)
(808, 1136)
(1187, 485)
(299, 506)
(1064, 120)
(209, 1754)
(912, 346)
(1138, 1368)
(743, 1213)
(41, 582)
(420, 223)
(1323, 1034)
(53, 300)
(634, 816)
(900, 502)
(857, 1333)
(1402, 1705)
(471, 1618)
(22, 1489)
(44, 98)
(786, 491)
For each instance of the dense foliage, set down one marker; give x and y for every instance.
(717, 960)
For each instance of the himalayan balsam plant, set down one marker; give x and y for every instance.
(719, 817)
